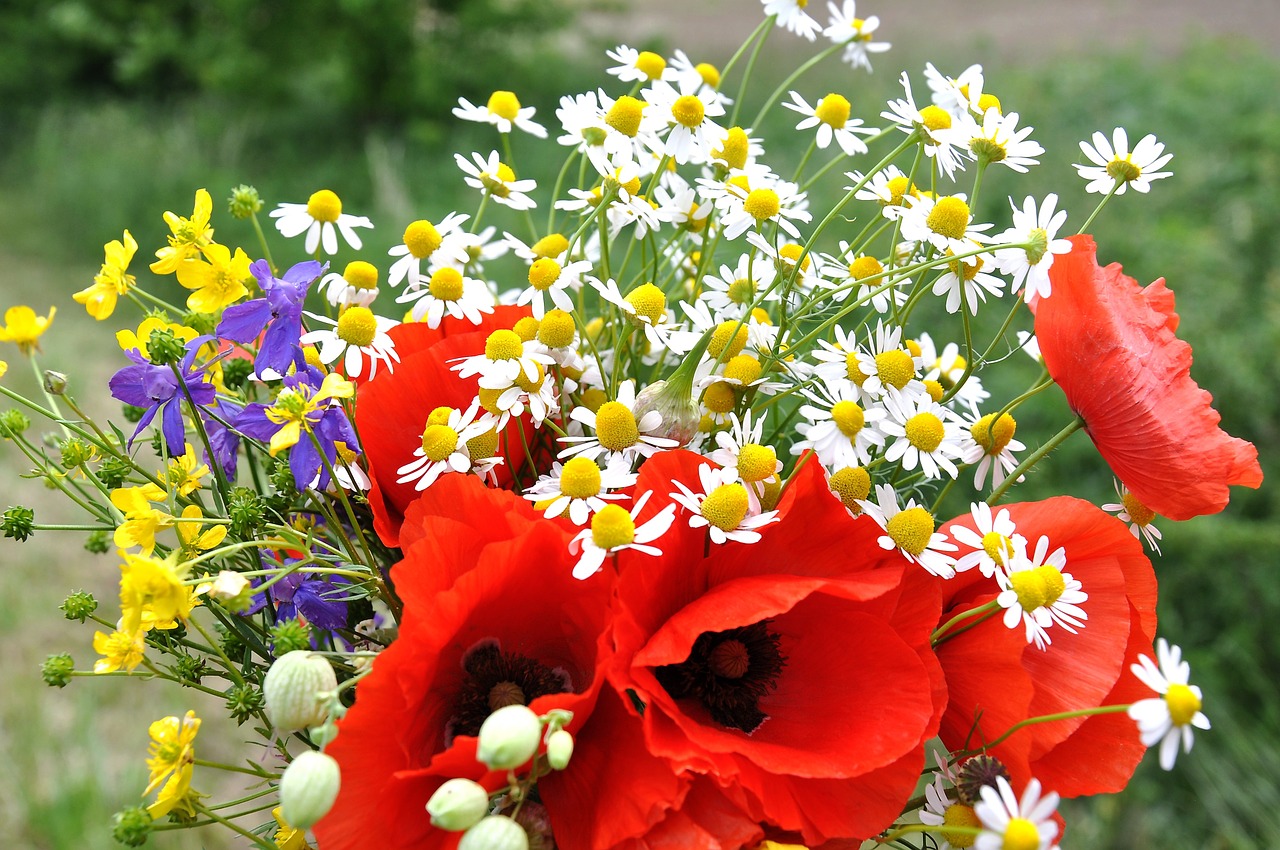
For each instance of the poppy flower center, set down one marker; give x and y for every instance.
(958, 814)
(422, 239)
(729, 338)
(1183, 704)
(911, 530)
(729, 672)
(1021, 834)
(616, 426)
(1138, 512)
(895, 367)
(543, 273)
(494, 679)
(324, 206)
(833, 110)
(1038, 588)
(726, 506)
(925, 431)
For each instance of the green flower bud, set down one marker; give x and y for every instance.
(457, 805)
(308, 788)
(55, 383)
(189, 669)
(98, 542)
(202, 323)
(497, 832)
(509, 737)
(13, 423)
(244, 201)
(18, 522)
(324, 734)
(79, 605)
(292, 688)
(247, 512)
(113, 471)
(57, 669)
(559, 749)
(74, 451)
(133, 413)
(288, 636)
(243, 702)
(163, 347)
(235, 371)
(132, 826)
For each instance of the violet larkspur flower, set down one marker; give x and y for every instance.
(280, 312)
(160, 389)
(321, 600)
(224, 442)
(306, 419)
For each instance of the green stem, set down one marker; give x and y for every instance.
(262, 240)
(1088, 221)
(943, 632)
(786, 84)
(217, 818)
(1048, 718)
(751, 65)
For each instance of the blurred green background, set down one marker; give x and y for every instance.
(112, 111)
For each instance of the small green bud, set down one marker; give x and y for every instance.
(163, 347)
(132, 826)
(282, 478)
(289, 636)
(235, 371)
(201, 323)
(113, 471)
(458, 805)
(98, 542)
(232, 644)
(133, 413)
(13, 423)
(75, 451)
(79, 605)
(559, 749)
(296, 689)
(324, 734)
(308, 788)
(509, 737)
(189, 669)
(18, 522)
(57, 670)
(244, 202)
(55, 383)
(497, 832)
(247, 512)
(243, 702)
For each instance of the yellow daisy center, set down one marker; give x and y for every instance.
(958, 814)
(616, 426)
(949, 217)
(934, 389)
(742, 291)
(503, 345)
(710, 74)
(743, 368)
(865, 267)
(761, 317)
(1138, 513)
(895, 368)
(756, 462)
(913, 346)
(625, 114)
(439, 415)
(1020, 834)
(324, 206)
(1183, 704)
(422, 238)
(526, 328)
(345, 453)
(834, 110)
(935, 118)
(910, 530)
(725, 506)
(997, 546)
(848, 417)
(651, 64)
(483, 445)
(740, 181)
(925, 432)
(688, 111)
(489, 399)
(995, 439)
(531, 385)
(1039, 587)
(649, 301)
(611, 527)
(966, 269)
(357, 326)
(361, 275)
(719, 397)
(504, 104)
(735, 149)
(899, 187)
(762, 204)
(496, 184)
(580, 478)
(551, 245)
(986, 101)
(543, 273)
(556, 330)
(851, 484)
(312, 355)
(853, 368)
(439, 441)
(791, 252)
(446, 284)
(1124, 170)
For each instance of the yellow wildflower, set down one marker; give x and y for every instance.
(177, 794)
(112, 280)
(171, 739)
(189, 235)
(139, 339)
(190, 535)
(4, 367)
(23, 327)
(141, 521)
(296, 408)
(119, 650)
(152, 593)
(288, 837)
(218, 282)
(184, 473)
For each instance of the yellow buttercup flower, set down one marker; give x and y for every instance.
(189, 236)
(171, 746)
(139, 339)
(288, 837)
(4, 367)
(183, 474)
(152, 593)
(141, 521)
(193, 536)
(218, 282)
(178, 794)
(120, 650)
(294, 408)
(112, 280)
(23, 327)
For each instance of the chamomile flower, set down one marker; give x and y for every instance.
(779, 203)
(910, 530)
(1036, 592)
(357, 286)
(936, 128)
(636, 66)
(944, 222)
(839, 430)
(422, 240)
(784, 257)
(926, 435)
(347, 472)
(585, 120)
(991, 447)
(965, 281)
(355, 336)
(506, 357)
(741, 453)
(1039, 229)
(503, 111)
(677, 203)
(553, 279)
(888, 187)
(885, 366)
(940, 810)
(645, 306)
(994, 539)
(578, 488)
(449, 291)
(856, 34)
(468, 251)
(445, 446)
(684, 117)
(722, 507)
(496, 180)
(960, 96)
(617, 431)
(847, 273)
(1117, 168)
(1138, 515)
(322, 219)
(1169, 719)
(831, 117)
(736, 288)
(791, 16)
(614, 530)
(1012, 824)
(999, 140)
(703, 73)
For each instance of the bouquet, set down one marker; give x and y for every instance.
(668, 507)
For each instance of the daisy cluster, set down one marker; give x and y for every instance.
(605, 463)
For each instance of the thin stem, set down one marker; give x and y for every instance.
(786, 84)
(1031, 459)
(1088, 221)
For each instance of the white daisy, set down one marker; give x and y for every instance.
(886, 365)
(784, 257)
(945, 222)
(947, 369)
(993, 542)
(322, 218)
(1169, 718)
(356, 335)
(578, 488)
(347, 472)
(964, 279)
(779, 202)
(722, 507)
(856, 34)
(635, 66)
(422, 240)
(910, 530)
(736, 288)
(502, 111)
(1009, 822)
(1138, 515)
(1036, 592)
(839, 431)
(684, 116)
(617, 431)
(941, 811)
(960, 96)
(831, 117)
(703, 73)
(791, 16)
(926, 435)
(496, 179)
(357, 286)
(941, 138)
(1038, 228)
(614, 530)
(444, 447)
(850, 271)
(1030, 345)
(506, 357)
(468, 251)
(553, 279)
(991, 448)
(678, 204)
(449, 291)
(998, 140)
(888, 187)
(740, 452)
(1116, 167)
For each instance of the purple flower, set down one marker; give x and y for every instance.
(280, 312)
(159, 389)
(224, 442)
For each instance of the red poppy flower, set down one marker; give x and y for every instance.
(1111, 346)
(392, 409)
(794, 673)
(996, 679)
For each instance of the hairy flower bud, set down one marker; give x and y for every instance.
(292, 687)
(458, 805)
(308, 788)
(290, 635)
(57, 669)
(74, 451)
(244, 201)
(98, 542)
(132, 826)
(18, 522)
(13, 423)
(55, 383)
(680, 414)
(79, 605)
(509, 737)
(243, 702)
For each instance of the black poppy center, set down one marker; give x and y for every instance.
(493, 679)
(729, 672)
